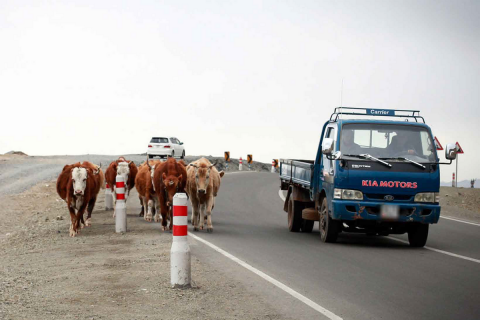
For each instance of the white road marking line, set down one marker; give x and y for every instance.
(241, 172)
(440, 251)
(280, 193)
(266, 277)
(462, 221)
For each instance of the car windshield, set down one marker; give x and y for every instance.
(159, 140)
(388, 141)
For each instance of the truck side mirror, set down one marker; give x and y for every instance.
(451, 151)
(327, 146)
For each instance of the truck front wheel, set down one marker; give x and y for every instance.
(418, 234)
(294, 215)
(329, 228)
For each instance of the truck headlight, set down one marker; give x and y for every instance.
(432, 197)
(347, 194)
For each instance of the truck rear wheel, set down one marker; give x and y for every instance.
(307, 225)
(329, 228)
(294, 215)
(418, 234)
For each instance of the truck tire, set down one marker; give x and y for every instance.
(418, 234)
(294, 215)
(307, 226)
(329, 228)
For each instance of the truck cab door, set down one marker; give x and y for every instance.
(328, 166)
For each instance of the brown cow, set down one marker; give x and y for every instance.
(203, 184)
(125, 168)
(169, 178)
(78, 185)
(146, 191)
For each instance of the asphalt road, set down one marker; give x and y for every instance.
(357, 278)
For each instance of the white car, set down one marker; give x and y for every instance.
(165, 147)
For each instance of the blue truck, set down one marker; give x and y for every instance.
(376, 172)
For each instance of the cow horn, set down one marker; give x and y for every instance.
(214, 164)
(148, 164)
(193, 165)
(98, 170)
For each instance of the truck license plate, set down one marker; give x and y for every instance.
(389, 212)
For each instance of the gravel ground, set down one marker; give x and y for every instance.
(45, 274)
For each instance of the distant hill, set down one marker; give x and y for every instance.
(461, 184)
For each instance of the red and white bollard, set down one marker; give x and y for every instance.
(108, 198)
(453, 180)
(180, 268)
(240, 164)
(273, 167)
(120, 206)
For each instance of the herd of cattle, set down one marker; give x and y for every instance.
(156, 181)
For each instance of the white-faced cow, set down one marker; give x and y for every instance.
(127, 169)
(203, 184)
(79, 184)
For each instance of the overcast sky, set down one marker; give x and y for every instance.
(259, 77)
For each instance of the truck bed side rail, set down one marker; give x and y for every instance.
(298, 172)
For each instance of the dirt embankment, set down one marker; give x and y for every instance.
(45, 274)
(462, 203)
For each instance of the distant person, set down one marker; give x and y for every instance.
(348, 145)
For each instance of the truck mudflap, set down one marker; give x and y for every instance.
(407, 212)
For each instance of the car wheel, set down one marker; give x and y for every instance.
(329, 228)
(150, 156)
(418, 234)
(173, 154)
(183, 155)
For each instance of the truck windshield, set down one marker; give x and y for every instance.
(388, 141)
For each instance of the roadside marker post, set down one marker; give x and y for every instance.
(108, 198)
(453, 180)
(227, 159)
(120, 206)
(240, 164)
(180, 264)
(249, 160)
(459, 151)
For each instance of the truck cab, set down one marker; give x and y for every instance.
(374, 176)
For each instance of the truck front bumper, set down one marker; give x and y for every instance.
(363, 210)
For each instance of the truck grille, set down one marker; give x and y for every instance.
(381, 197)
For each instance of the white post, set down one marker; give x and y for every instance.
(120, 206)
(108, 198)
(240, 164)
(180, 268)
(273, 167)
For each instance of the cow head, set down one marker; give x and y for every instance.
(79, 181)
(123, 169)
(202, 177)
(171, 184)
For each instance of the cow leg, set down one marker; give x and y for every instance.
(194, 213)
(142, 213)
(209, 207)
(73, 221)
(114, 196)
(150, 210)
(170, 216)
(91, 205)
(156, 210)
(164, 210)
(202, 215)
